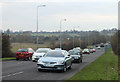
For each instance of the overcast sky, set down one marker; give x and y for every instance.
(80, 14)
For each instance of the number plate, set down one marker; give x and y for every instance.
(76, 57)
(72, 58)
(21, 55)
(49, 65)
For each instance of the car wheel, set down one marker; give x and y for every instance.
(29, 58)
(39, 70)
(33, 60)
(70, 66)
(17, 58)
(65, 69)
(78, 61)
(81, 61)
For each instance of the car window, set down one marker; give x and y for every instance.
(85, 49)
(31, 50)
(41, 51)
(54, 54)
(74, 53)
(22, 50)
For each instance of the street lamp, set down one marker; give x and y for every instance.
(60, 29)
(37, 25)
(73, 36)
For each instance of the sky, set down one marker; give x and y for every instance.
(79, 14)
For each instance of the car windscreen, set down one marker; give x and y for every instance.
(85, 49)
(54, 54)
(74, 53)
(22, 50)
(90, 49)
(41, 51)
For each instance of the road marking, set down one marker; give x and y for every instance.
(17, 73)
(11, 74)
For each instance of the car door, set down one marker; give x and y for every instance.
(68, 59)
(30, 52)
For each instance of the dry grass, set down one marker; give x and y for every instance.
(16, 46)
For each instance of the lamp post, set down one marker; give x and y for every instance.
(73, 36)
(60, 30)
(37, 25)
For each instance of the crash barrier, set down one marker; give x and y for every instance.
(107, 46)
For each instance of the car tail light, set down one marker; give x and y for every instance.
(17, 53)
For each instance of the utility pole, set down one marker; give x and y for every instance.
(37, 25)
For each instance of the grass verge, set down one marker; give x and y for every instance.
(103, 68)
(10, 58)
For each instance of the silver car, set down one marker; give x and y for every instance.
(55, 60)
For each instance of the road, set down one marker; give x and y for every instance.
(27, 70)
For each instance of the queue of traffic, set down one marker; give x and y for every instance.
(57, 59)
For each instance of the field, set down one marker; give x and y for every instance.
(53, 34)
(16, 46)
(104, 68)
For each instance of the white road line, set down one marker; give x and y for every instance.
(11, 74)
(17, 73)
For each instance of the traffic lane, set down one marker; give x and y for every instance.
(10, 67)
(30, 70)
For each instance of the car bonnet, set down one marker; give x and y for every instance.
(52, 59)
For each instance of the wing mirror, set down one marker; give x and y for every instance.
(68, 55)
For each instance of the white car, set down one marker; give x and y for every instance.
(98, 47)
(78, 49)
(58, 49)
(40, 52)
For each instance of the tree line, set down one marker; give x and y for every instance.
(115, 42)
(69, 41)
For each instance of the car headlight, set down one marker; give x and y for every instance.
(60, 62)
(40, 62)
(32, 57)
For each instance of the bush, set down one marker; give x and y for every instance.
(6, 46)
(115, 41)
(67, 45)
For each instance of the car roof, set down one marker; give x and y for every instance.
(58, 51)
(43, 49)
(24, 48)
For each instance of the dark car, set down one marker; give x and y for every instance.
(91, 50)
(96, 45)
(76, 56)
(24, 53)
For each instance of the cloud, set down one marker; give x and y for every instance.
(59, 0)
(86, 14)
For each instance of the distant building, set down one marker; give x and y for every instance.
(27, 32)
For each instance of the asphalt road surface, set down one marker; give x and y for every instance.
(27, 70)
